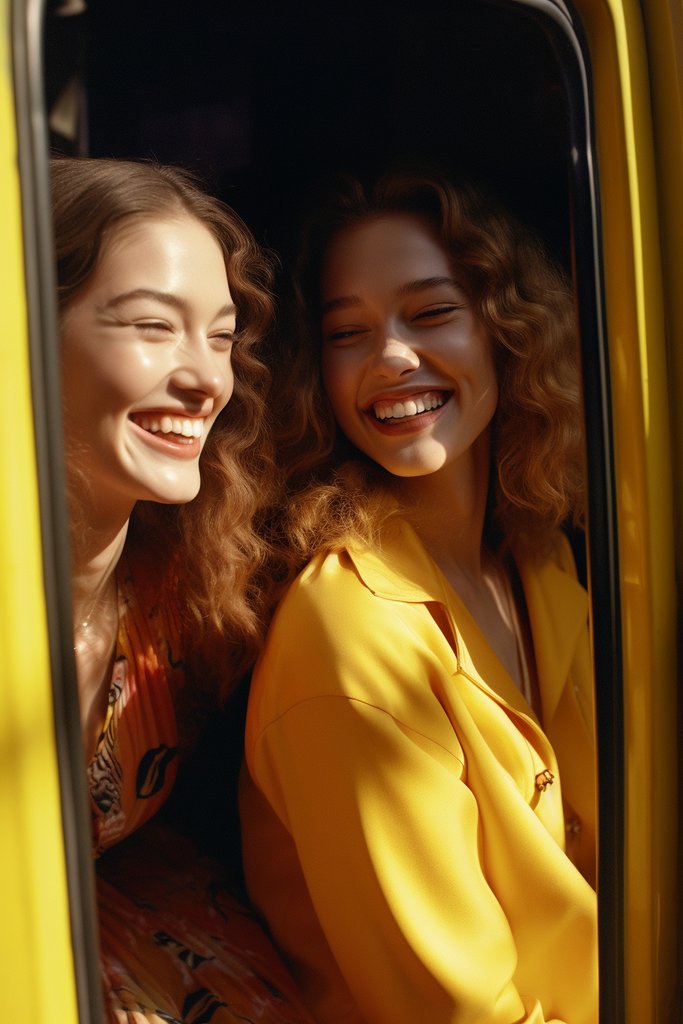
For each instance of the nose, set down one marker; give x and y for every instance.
(395, 356)
(203, 369)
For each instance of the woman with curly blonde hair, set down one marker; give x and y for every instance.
(418, 809)
(164, 298)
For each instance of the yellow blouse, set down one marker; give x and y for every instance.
(399, 832)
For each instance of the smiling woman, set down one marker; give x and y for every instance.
(163, 302)
(420, 771)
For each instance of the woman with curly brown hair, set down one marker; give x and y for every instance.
(418, 810)
(163, 300)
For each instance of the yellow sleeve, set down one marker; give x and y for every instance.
(385, 830)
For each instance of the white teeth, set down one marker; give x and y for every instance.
(192, 428)
(411, 407)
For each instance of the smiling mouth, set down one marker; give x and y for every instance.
(179, 429)
(414, 406)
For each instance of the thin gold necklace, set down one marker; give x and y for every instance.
(81, 631)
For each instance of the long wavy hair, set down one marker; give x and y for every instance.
(212, 543)
(525, 303)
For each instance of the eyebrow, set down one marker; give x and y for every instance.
(166, 298)
(410, 288)
(426, 282)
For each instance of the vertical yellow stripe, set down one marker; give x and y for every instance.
(622, 73)
(35, 938)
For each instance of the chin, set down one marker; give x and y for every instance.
(173, 494)
(415, 467)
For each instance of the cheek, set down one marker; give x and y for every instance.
(475, 351)
(326, 370)
(489, 375)
(337, 384)
(114, 377)
(229, 375)
(487, 392)
(223, 401)
(137, 368)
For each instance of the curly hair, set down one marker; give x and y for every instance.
(212, 542)
(523, 300)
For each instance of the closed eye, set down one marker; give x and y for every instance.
(150, 326)
(344, 334)
(436, 312)
(223, 339)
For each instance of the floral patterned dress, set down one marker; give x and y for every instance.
(176, 945)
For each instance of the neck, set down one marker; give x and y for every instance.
(447, 510)
(93, 571)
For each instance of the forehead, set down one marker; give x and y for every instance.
(175, 253)
(157, 233)
(381, 250)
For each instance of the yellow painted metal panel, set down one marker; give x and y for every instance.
(664, 33)
(35, 938)
(638, 361)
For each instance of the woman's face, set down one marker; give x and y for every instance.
(406, 364)
(145, 357)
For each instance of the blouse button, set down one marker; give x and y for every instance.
(544, 779)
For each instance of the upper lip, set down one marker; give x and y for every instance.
(182, 414)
